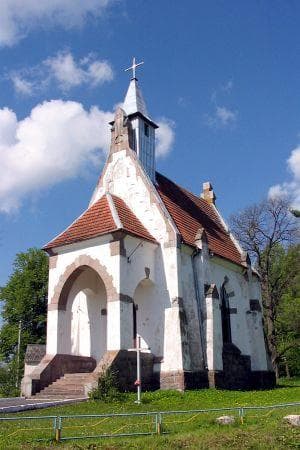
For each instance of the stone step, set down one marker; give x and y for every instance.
(76, 375)
(63, 388)
(66, 386)
(58, 397)
(54, 389)
(61, 392)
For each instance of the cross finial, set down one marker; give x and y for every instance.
(134, 66)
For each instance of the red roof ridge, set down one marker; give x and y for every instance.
(108, 214)
(190, 212)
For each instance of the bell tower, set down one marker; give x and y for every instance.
(143, 128)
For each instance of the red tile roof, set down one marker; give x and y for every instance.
(190, 212)
(130, 222)
(98, 220)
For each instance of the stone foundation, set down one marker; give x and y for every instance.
(237, 373)
(263, 379)
(182, 380)
(254, 380)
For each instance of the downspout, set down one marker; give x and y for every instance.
(195, 253)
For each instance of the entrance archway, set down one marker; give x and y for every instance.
(84, 328)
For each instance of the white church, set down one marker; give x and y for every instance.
(148, 258)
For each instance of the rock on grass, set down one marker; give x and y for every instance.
(225, 420)
(293, 419)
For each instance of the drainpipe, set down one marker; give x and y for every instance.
(195, 253)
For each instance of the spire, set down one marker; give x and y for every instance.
(134, 101)
(141, 129)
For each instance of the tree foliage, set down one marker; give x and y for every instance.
(266, 230)
(288, 315)
(24, 298)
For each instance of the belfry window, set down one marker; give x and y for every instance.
(146, 129)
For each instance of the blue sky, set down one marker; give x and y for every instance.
(220, 77)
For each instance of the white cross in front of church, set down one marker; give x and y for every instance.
(134, 66)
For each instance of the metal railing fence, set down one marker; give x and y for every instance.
(95, 426)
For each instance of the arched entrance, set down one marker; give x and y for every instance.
(148, 317)
(84, 328)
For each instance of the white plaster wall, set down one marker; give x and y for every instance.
(155, 308)
(257, 344)
(191, 311)
(53, 326)
(258, 351)
(213, 334)
(150, 317)
(119, 325)
(240, 301)
(122, 179)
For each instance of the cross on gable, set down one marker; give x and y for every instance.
(134, 66)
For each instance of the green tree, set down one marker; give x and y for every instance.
(24, 298)
(288, 314)
(265, 230)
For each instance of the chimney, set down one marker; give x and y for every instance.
(208, 193)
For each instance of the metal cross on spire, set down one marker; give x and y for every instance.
(134, 66)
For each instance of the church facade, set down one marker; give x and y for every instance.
(149, 258)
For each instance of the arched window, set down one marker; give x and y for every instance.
(225, 312)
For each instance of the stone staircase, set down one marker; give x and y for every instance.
(77, 385)
(69, 386)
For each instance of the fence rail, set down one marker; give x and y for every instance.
(93, 426)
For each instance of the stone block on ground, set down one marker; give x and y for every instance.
(225, 420)
(293, 419)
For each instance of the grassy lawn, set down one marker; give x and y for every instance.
(262, 429)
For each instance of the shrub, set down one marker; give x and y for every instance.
(108, 387)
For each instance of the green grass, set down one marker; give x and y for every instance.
(260, 430)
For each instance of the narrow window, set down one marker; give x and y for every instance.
(146, 129)
(225, 312)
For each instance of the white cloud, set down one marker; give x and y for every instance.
(100, 71)
(165, 136)
(227, 87)
(290, 189)
(21, 85)
(54, 143)
(18, 17)
(294, 163)
(64, 70)
(69, 73)
(225, 115)
(221, 118)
